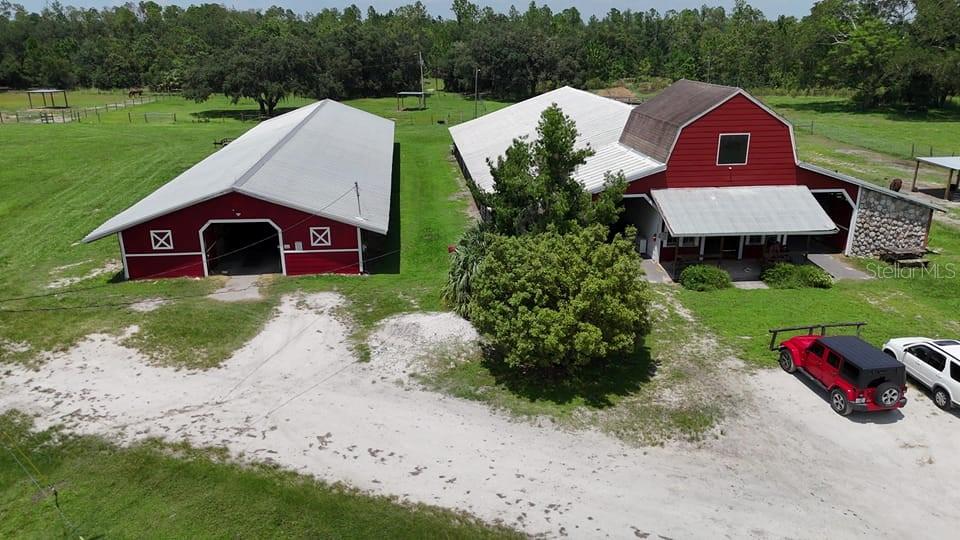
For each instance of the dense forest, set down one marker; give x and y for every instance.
(884, 51)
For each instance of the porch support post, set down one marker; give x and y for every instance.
(946, 192)
(916, 171)
(676, 254)
(740, 249)
(702, 244)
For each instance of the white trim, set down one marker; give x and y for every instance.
(161, 239)
(350, 250)
(360, 249)
(643, 196)
(838, 190)
(203, 244)
(740, 248)
(853, 223)
(317, 235)
(123, 255)
(184, 253)
(746, 156)
(703, 246)
(739, 92)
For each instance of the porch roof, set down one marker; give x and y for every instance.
(737, 211)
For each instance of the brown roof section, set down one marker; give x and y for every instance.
(655, 124)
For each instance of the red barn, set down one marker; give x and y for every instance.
(713, 174)
(294, 195)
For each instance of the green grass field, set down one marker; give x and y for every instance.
(889, 131)
(15, 100)
(154, 490)
(909, 303)
(80, 174)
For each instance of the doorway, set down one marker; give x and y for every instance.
(242, 248)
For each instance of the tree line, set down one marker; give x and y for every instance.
(885, 51)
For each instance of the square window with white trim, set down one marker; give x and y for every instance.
(320, 236)
(732, 148)
(161, 239)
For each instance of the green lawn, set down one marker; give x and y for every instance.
(16, 100)
(80, 174)
(889, 131)
(155, 490)
(911, 303)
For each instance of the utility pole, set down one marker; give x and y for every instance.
(423, 97)
(476, 93)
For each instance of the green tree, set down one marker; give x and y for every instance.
(534, 186)
(560, 301)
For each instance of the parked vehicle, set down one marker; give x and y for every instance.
(857, 375)
(934, 363)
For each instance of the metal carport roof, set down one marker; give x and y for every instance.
(736, 211)
(307, 159)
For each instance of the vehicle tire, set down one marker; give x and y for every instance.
(839, 403)
(941, 398)
(887, 395)
(786, 361)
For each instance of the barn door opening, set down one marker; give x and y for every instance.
(242, 248)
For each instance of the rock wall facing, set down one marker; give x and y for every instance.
(885, 221)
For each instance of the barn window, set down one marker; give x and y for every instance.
(754, 240)
(161, 239)
(732, 148)
(320, 236)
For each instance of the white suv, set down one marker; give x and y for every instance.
(934, 363)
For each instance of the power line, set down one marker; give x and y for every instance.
(168, 298)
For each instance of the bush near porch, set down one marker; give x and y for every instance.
(704, 277)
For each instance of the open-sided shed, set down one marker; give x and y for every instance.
(293, 195)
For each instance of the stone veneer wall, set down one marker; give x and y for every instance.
(885, 221)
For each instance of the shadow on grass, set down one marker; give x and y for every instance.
(237, 114)
(383, 251)
(596, 385)
(950, 113)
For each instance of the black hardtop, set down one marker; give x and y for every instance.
(860, 353)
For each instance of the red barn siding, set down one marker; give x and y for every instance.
(770, 159)
(164, 267)
(186, 223)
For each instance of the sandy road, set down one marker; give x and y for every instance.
(787, 466)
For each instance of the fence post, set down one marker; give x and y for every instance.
(174, 118)
(129, 118)
(913, 149)
(18, 116)
(931, 150)
(98, 116)
(145, 121)
(811, 127)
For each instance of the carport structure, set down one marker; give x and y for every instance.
(951, 163)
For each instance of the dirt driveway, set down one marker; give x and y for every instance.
(786, 467)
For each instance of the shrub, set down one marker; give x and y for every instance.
(793, 276)
(703, 277)
(463, 266)
(560, 300)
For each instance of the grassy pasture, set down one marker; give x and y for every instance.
(16, 100)
(889, 131)
(155, 490)
(80, 174)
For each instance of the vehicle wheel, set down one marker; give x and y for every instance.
(941, 398)
(887, 395)
(839, 403)
(786, 361)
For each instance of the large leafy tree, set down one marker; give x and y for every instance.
(534, 186)
(560, 301)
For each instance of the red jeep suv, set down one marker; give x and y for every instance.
(858, 376)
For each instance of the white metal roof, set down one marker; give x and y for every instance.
(948, 162)
(599, 121)
(306, 159)
(735, 211)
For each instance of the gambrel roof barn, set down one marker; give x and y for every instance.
(712, 172)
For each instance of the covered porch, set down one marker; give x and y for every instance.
(741, 229)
